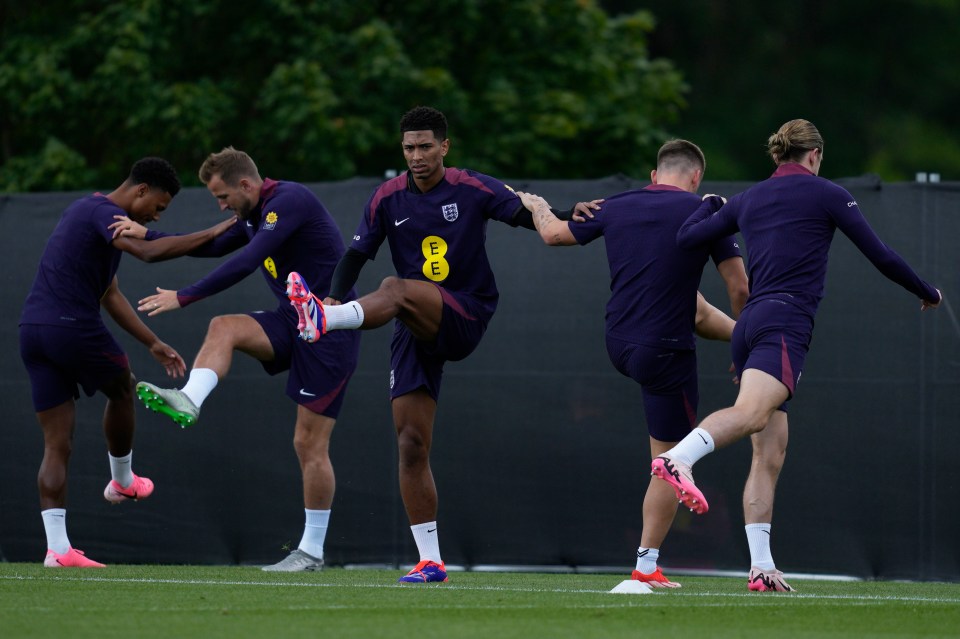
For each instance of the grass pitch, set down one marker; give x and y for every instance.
(206, 602)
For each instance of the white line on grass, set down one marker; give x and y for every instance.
(779, 599)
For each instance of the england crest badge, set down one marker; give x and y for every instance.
(450, 212)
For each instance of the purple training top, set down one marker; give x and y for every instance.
(289, 230)
(77, 266)
(653, 283)
(788, 223)
(440, 236)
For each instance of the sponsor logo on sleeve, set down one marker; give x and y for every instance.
(270, 221)
(271, 267)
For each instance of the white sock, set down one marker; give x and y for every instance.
(201, 383)
(758, 538)
(428, 541)
(55, 525)
(349, 315)
(692, 448)
(315, 532)
(121, 469)
(647, 559)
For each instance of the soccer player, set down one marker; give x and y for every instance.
(654, 310)
(442, 298)
(788, 222)
(64, 343)
(283, 227)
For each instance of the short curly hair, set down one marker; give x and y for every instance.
(155, 173)
(424, 118)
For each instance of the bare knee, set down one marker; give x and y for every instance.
(394, 288)
(414, 449)
(756, 422)
(120, 389)
(309, 447)
(219, 329)
(769, 452)
(769, 460)
(753, 419)
(58, 447)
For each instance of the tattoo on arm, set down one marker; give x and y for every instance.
(542, 215)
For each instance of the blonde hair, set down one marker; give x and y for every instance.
(230, 164)
(793, 140)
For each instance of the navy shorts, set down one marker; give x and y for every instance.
(59, 359)
(418, 364)
(668, 384)
(319, 372)
(772, 336)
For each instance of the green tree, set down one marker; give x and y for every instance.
(877, 78)
(314, 90)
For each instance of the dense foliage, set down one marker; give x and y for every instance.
(314, 90)
(879, 79)
(532, 88)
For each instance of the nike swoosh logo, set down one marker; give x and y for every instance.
(700, 435)
(249, 224)
(399, 222)
(306, 394)
(430, 530)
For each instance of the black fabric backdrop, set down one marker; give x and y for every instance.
(540, 449)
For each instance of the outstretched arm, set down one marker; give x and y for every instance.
(854, 225)
(554, 231)
(119, 308)
(162, 301)
(580, 212)
(130, 237)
